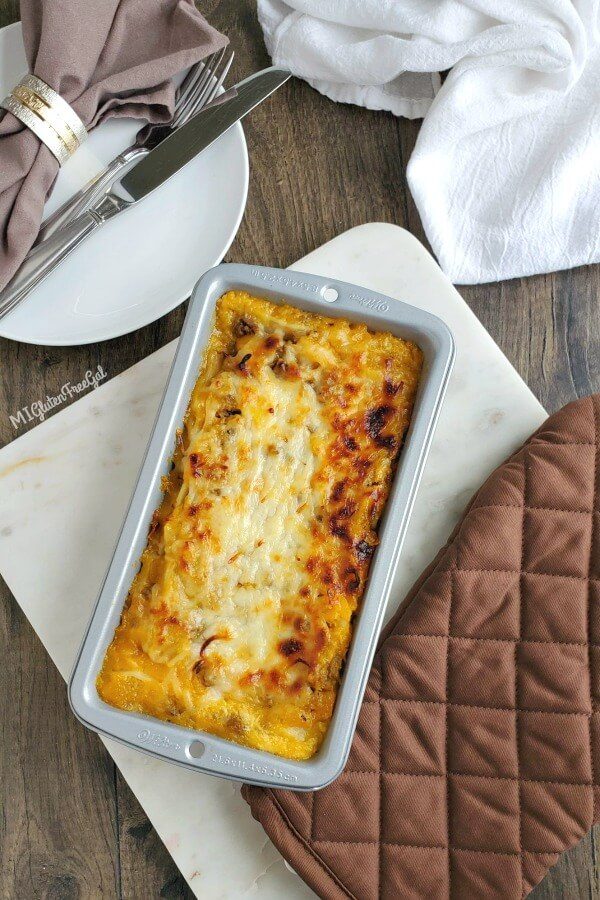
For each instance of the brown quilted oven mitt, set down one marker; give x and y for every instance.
(477, 756)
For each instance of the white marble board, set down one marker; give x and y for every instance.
(64, 487)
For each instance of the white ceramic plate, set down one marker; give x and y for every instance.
(145, 262)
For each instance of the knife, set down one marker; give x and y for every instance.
(158, 166)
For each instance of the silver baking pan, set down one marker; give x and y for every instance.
(198, 750)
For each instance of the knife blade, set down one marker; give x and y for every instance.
(189, 140)
(168, 158)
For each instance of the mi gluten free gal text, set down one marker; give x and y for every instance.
(40, 408)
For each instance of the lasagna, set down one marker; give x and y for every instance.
(239, 618)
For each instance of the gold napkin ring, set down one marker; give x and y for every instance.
(48, 115)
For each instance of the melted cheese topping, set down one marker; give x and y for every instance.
(240, 616)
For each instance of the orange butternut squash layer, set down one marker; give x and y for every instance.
(240, 616)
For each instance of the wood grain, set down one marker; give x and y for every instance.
(70, 826)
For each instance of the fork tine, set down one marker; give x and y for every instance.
(200, 88)
(219, 82)
(199, 73)
(193, 81)
(209, 92)
(184, 87)
(198, 100)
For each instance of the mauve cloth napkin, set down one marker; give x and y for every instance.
(506, 169)
(107, 58)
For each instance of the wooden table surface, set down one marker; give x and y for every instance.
(317, 169)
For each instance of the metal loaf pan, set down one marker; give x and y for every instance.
(198, 750)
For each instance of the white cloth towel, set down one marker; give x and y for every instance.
(506, 169)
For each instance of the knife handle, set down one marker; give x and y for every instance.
(45, 257)
(88, 195)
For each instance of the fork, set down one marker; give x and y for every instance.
(198, 89)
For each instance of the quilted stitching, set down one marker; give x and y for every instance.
(476, 758)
